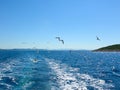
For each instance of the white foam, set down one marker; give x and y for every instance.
(68, 80)
(27, 85)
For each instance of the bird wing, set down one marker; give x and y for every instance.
(58, 38)
(62, 41)
(97, 38)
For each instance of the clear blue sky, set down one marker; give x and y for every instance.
(36, 23)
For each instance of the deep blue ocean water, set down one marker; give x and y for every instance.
(59, 70)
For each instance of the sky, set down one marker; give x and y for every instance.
(36, 23)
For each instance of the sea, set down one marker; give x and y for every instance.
(59, 70)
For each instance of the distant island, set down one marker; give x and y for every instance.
(111, 48)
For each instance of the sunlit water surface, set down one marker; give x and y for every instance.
(59, 70)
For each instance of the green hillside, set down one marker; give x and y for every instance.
(115, 47)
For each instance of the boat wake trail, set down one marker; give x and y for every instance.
(69, 78)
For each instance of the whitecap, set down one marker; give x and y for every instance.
(68, 80)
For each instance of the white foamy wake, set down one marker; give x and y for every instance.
(68, 78)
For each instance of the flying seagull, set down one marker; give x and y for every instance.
(98, 38)
(60, 40)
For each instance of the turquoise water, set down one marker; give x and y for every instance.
(59, 70)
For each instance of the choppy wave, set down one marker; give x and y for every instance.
(69, 78)
(11, 72)
(31, 71)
